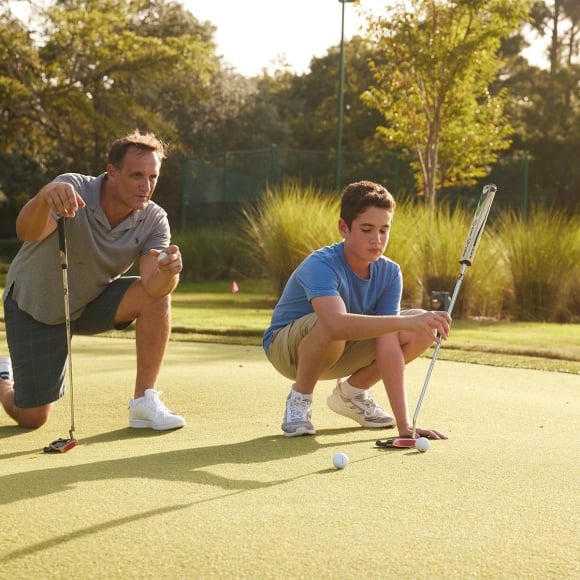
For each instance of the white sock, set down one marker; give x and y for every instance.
(349, 390)
(294, 393)
(6, 366)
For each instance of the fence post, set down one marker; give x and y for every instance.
(225, 182)
(273, 164)
(526, 183)
(184, 191)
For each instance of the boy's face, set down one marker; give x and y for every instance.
(367, 238)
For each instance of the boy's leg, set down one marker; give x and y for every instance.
(300, 352)
(316, 354)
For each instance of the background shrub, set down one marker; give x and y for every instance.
(287, 224)
(542, 257)
(214, 253)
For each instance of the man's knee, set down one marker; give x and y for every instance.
(32, 418)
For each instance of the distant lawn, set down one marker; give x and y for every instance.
(210, 312)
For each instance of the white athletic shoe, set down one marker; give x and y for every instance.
(362, 408)
(297, 415)
(148, 412)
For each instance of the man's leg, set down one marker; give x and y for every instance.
(28, 418)
(152, 330)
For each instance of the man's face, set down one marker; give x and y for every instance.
(134, 182)
(368, 236)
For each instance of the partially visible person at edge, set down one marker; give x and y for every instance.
(339, 318)
(110, 222)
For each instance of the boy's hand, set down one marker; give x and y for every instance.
(420, 432)
(435, 322)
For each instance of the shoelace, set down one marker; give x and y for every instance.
(299, 409)
(160, 407)
(371, 408)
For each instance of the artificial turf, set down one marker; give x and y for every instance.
(229, 497)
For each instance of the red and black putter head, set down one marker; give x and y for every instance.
(62, 445)
(400, 442)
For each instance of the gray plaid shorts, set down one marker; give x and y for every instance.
(39, 351)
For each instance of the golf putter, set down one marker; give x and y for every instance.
(62, 445)
(466, 259)
(401, 442)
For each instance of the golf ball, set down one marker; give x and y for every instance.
(340, 460)
(162, 256)
(422, 444)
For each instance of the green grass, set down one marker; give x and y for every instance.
(209, 312)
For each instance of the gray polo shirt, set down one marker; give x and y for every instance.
(97, 255)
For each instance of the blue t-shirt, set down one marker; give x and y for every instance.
(325, 272)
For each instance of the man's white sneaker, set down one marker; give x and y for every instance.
(148, 412)
(362, 408)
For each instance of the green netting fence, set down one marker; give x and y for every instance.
(215, 187)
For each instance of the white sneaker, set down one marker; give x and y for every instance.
(297, 415)
(5, 369)
(148, 412)
(362, 408)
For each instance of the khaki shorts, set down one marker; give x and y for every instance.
(283, 353)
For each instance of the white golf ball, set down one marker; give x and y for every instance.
(422, 444)
(162, 256)
(340, 460)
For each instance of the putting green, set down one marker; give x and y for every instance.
(229, 497)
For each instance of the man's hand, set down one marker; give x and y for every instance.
(169, 260)
(61, 198)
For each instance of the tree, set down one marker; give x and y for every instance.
(544, 104)
(22, 144)
(437, 60)
(111, 66)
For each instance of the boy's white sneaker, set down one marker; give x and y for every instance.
(297, 415)
(149, 412)
(363, 409)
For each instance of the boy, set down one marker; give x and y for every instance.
(339, 316)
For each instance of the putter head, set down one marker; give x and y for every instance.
(400, 442)
(61, 445)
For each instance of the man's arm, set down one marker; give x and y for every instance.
(160, 278)
(35, 222)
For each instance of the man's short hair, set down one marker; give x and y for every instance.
(359, 196)
(143, 142)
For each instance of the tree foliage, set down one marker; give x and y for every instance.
(447, 74)
(437, 61)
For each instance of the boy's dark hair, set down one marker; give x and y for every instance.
(146, 142)
(358, 196)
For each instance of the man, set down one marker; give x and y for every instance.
(111, 221)
(339, 316)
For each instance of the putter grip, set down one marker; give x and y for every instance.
(61, 224)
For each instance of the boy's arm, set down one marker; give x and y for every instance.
(391, 365)
(341, 325)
